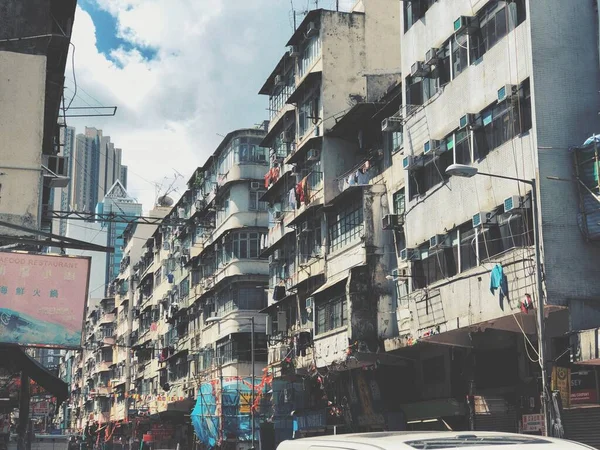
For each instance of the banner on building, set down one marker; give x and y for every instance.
(42, 299)
(583, 387)
(561, 382)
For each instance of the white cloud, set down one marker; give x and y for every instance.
(212, 56)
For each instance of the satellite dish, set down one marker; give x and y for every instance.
(165, 200)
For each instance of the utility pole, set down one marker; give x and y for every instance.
(253, 375)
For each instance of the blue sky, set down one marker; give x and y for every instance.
(107, 32)
(182, 73)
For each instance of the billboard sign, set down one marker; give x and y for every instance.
(42, 299)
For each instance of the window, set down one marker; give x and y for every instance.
(397, 141)
(239, 245)
(184, 288)
(431, 174)
(310, 53)
(462, 148)
(331, 314)
(310, 241)
(442, 69)
(281, 94)
(399, 202)
(255, 204)
(460, 54)
(242, 297)
(414, 91)
(415, 10)
(308, 112)
(435, 265)
(502, 121)
(495, 21)
(347, 226)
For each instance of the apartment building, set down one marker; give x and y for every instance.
(484, 87)
(329, 256)
(34, 47)
(180, 314)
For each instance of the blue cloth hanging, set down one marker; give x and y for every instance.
(498, 280)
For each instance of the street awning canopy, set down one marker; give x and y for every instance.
(15, 359)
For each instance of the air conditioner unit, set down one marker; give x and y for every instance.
(438, 241)
(409, 162)
(56, 164)
(277, 255)
(431, 57)
(400, 273)
(278, 80)
(392, 221)
(430, 146)
(418, 69)
(312, 154)
(312, 29)
(255, 185)
(506, 91)
(310, 303)
(271, 259)
(467, 121)
(465, 23)
(390, 125)
(483, 218)
(286, 136)
(410, 254)
(294, 51)
(512, 203)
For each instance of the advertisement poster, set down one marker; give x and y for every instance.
(42, 299)
(583, 387)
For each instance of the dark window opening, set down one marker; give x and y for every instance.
(431, 174)
(415, 10)
(503, 121)
(436, 265)
(434, 370)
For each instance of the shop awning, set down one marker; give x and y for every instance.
(15, 359)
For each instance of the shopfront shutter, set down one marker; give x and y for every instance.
(582, 425)
(495, 414)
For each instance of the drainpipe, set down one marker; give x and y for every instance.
(132, 286)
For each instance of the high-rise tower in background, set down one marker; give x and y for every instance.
(96, 166)
(117, 201)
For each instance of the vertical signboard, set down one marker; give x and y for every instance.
(561, 382)
(42, 299)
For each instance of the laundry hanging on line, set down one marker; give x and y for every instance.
(499, 281)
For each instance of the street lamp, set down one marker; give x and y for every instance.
(462, 170)
(251, 319)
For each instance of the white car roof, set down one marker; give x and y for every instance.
(402, 440)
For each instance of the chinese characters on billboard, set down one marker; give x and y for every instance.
(42, 299)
